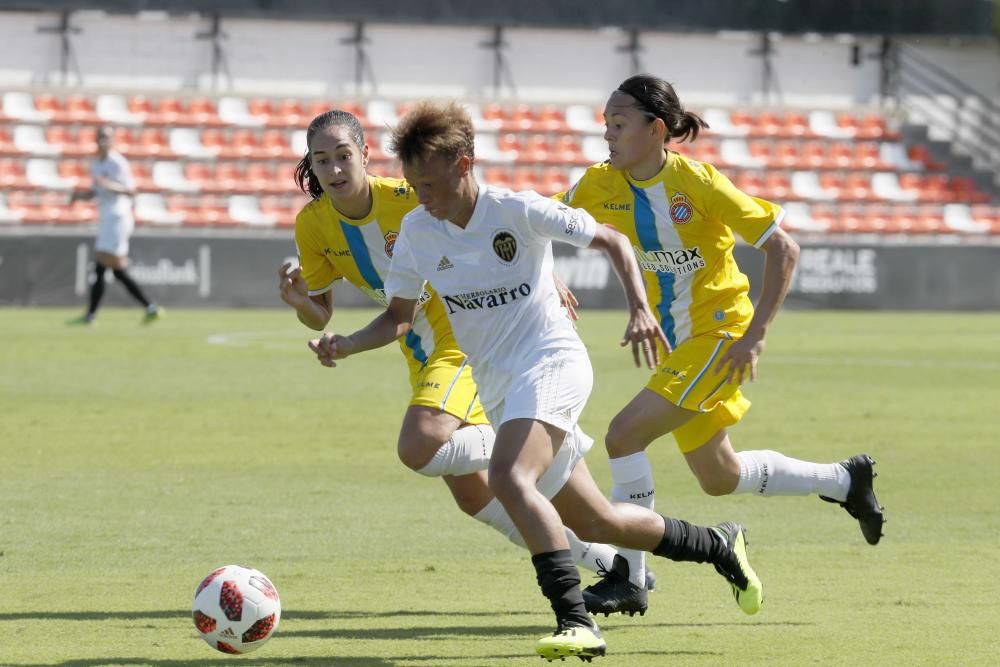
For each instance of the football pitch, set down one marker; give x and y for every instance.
(134, 460)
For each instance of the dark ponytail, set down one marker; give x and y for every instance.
(305, 179)
(657, 99)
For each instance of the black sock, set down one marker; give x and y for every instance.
(560, 583)
(133, 288)
(683, 541)
(97, 289)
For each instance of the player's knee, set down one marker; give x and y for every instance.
(619, 438)
(718, 483)
(506, 483)
(416, 450)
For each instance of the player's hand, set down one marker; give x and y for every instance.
(741, 355)
(292, 285)
(330, 347)
(644, 331)
(566, 298)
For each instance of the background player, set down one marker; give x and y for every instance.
(348, 231)
(679, 216)
(114, 188)
(488, 253)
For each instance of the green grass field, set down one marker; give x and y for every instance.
(135, 460)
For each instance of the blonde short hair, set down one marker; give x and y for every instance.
(431, 129)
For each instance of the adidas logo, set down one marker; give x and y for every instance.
(228, 633)
(444, 264)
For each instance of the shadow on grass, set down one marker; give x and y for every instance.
(244, 661)
(285, 615)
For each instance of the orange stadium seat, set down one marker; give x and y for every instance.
(522, 118)
(769, 124)
(289, 113)
(510, 143)
(245, 144)
(525, 178)
(12, 174)
(750, 182)
(278, 207)
(494, 113)
(840, 156)
(151, 142)
(80, 109)
(217, 140)
(796, 124)
(847, 121)
(833, 182)
(143, 177)
(204, 112)
(264, 178)
(74, 171)
(229, 177)
(777, 185)
(261, 106)
(783, 154)
(858, 186)
(498, 176)
(538, 148)
(7, 146)
(52, 105)
(816, 155)
(171, 111)
(566, 150)
(277, 145)
(551, 118)
(703, 150)
(201, 174)
(922, 154)
(554, 179)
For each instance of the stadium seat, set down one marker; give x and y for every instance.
(537, 149)
(244, 143)
(51, 106)
(595, 149)
(8, 215)
(781, 154)
(143, 176)
(79, 109)
(706, 149)
(500, 177)
(858, 186)
(796, 125)
(42, 173)
(525, 178)
(21, 107)
(768, 124)
(840, 155)
(275, 145)
(113, 110)
(12, 174)
(279, 208)
(229, 177)
(61, 141)
(750, 181)
(30, 139)
(551, 118)
(169, 176)
(720, 122)
(566, 150)
(151, 209)
(891, 188)
(806, 185)
(204, 113)
(74, 172)
(554, 180)
(289, 113)
(245, 209)
(921, 154)
(186, 142)
(235, 111)
(7, 146)
(816, 155)
(736, 153)
(580, 118)
(152, 142)
(777, 186)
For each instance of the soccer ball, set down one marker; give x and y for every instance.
(236, 609)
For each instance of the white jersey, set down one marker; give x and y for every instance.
(113, 206)
(495, 279)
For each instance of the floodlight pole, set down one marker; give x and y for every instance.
(888, 80)
(66, 53)
(500, 65)
(362, 63)
(633, 48)
(768, 80)
(219, 61)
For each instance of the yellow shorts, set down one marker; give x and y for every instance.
(445, 383)
(686, 377)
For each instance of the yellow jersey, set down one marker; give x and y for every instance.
(680, 223)
(332, 246)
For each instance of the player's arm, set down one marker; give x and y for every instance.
(393, 322)
(314, 311)
(643, 330)
(82, 194)
(114, 186)
(781, 254)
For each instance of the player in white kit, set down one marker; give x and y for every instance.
(114, 188)
(487, 252)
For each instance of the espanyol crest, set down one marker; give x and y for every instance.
(680, 209)
(390, 242)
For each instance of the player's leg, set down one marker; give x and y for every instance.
(118, 263)
(524, 452)
(96, 292)
(584, 508)
(647, 417)
(720, 470)
(446, 433)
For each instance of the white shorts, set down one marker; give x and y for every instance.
(553, 389)
(113, 235)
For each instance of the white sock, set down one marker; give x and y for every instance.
(633, 483)
(468, 450)
(769, 473)
(585, 554)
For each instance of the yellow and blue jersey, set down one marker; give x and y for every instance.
(680, 223)
(332, 246)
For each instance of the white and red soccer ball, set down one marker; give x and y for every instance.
(236, 609)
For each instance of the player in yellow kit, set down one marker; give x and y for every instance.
(348, 231)
(681, 216)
